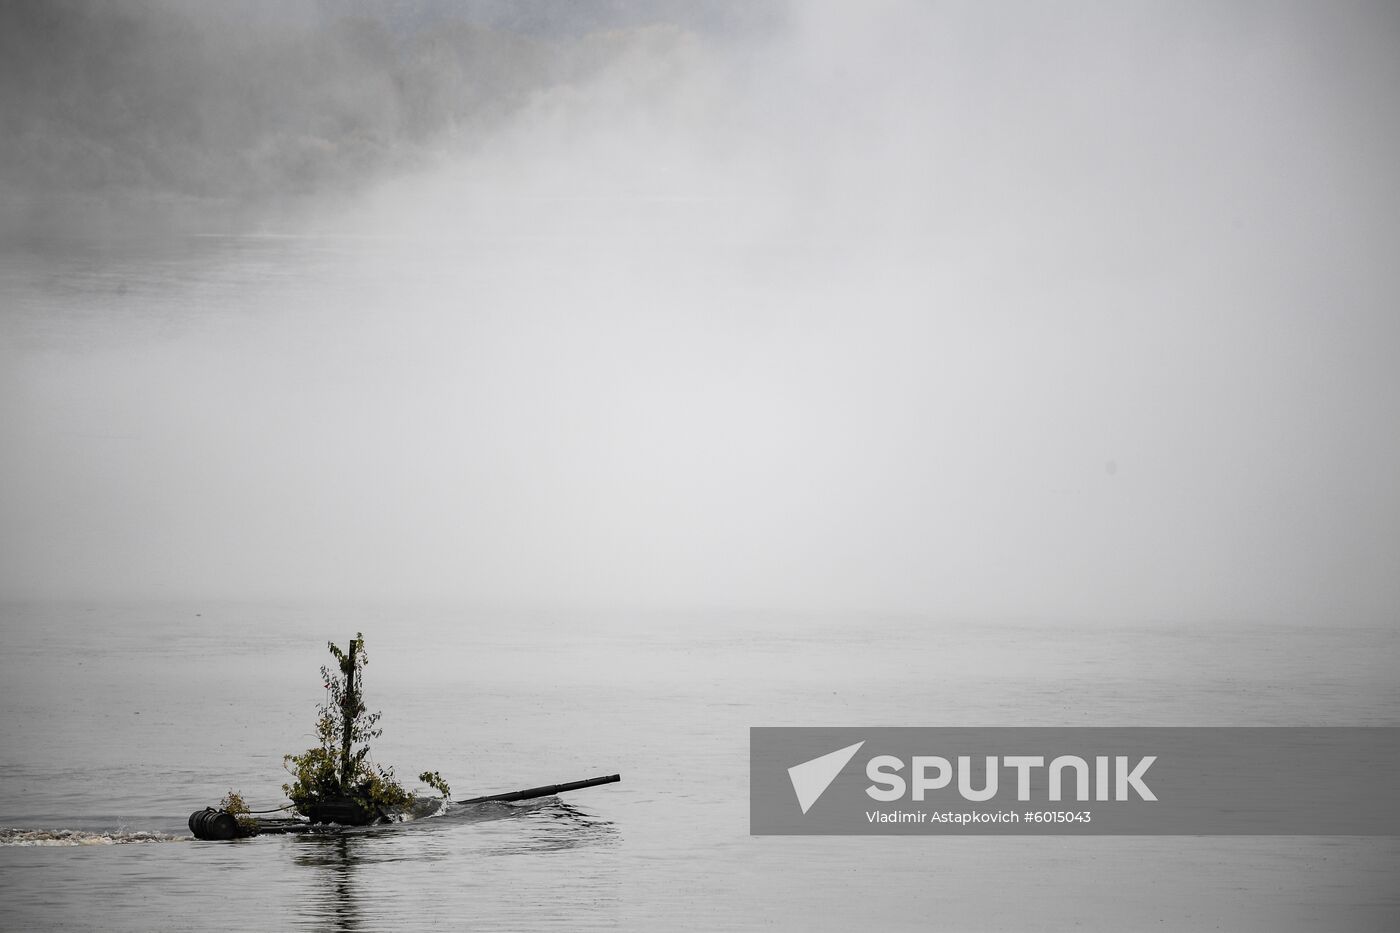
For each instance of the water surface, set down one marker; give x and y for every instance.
(117, 722)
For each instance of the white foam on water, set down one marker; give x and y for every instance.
(78, 837)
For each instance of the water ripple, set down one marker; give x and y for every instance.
(79, 837)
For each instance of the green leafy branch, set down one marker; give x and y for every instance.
(339, 767)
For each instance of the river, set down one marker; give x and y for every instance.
(118, 721)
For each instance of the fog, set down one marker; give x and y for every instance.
(960, 311)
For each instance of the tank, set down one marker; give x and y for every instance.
(347, 811)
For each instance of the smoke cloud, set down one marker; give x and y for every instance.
(964, 311)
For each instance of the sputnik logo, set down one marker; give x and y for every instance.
(811, 778)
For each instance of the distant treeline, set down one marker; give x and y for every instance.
(248, 102)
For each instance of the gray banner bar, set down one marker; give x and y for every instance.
(1074, 781)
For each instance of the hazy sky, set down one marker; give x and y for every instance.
(1083, 311)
